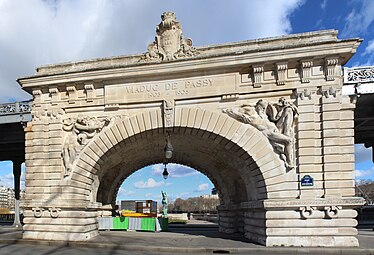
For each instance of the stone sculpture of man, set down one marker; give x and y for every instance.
(257, 117)
(285, 116)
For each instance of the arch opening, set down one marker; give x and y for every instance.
(183, 185)
(226, 168)
(236, 157)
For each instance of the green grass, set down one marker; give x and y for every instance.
(176, 221)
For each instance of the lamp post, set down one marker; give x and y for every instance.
(168, 148)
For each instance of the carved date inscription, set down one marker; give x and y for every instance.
(149, 91)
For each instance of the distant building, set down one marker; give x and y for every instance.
(3, 197)
(7, 198)
(214, 196)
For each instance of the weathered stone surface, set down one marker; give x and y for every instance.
(254, 116)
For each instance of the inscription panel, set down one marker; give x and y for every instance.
(169, 89)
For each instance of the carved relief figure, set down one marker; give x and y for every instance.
(279, 133)
(86, 128)
(169, 43)
(285, 117)
(80, 131)
(69, 149)
(168, 107)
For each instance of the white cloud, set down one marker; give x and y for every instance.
(369, 51)
(124, 192)
(202, 187)
(358, 21)
(362, 174)
(370, 48)
(323, 4)
(174, 170)
(39, 32)
(362, 154)
(149, 184)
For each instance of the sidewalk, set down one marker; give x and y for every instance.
(195, 239)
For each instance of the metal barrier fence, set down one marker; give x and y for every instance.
(7, 217)
(15, 108)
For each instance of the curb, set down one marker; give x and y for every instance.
(208, 250)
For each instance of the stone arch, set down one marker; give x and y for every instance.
(262, 165)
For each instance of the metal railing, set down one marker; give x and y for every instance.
(359, 74)
(358, 80)
(15, 108)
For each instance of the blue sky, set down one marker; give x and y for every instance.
(148, 182)
(39, 32)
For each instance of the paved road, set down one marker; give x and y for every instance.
(197, 239)
(21, 249)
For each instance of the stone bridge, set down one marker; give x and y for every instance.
(266, 120)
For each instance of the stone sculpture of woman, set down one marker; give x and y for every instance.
(164, 205)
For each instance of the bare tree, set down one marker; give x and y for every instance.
(365, 189)
(194, 204)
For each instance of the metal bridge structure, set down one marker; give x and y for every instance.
(359, 83)
(13, 117)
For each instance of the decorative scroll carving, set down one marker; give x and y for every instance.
(330, 68)
(306, 93)
(47, 114)
(331, 92)
(281, 73)
(332, 211)
(168, 110)
(276, 122)
(54, 212)
(37, 211)
(81, 131)
(306, 211)
(258, 72)
(306, 70)
(169, 43)
(359, 74)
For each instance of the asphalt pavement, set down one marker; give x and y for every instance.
(195, 238)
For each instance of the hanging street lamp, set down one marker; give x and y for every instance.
(165, 173)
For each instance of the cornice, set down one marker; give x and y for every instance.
(344, 49)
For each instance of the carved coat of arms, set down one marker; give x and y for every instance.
(169, 43)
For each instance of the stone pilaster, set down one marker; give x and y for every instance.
(338, 142)
(308, 133)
